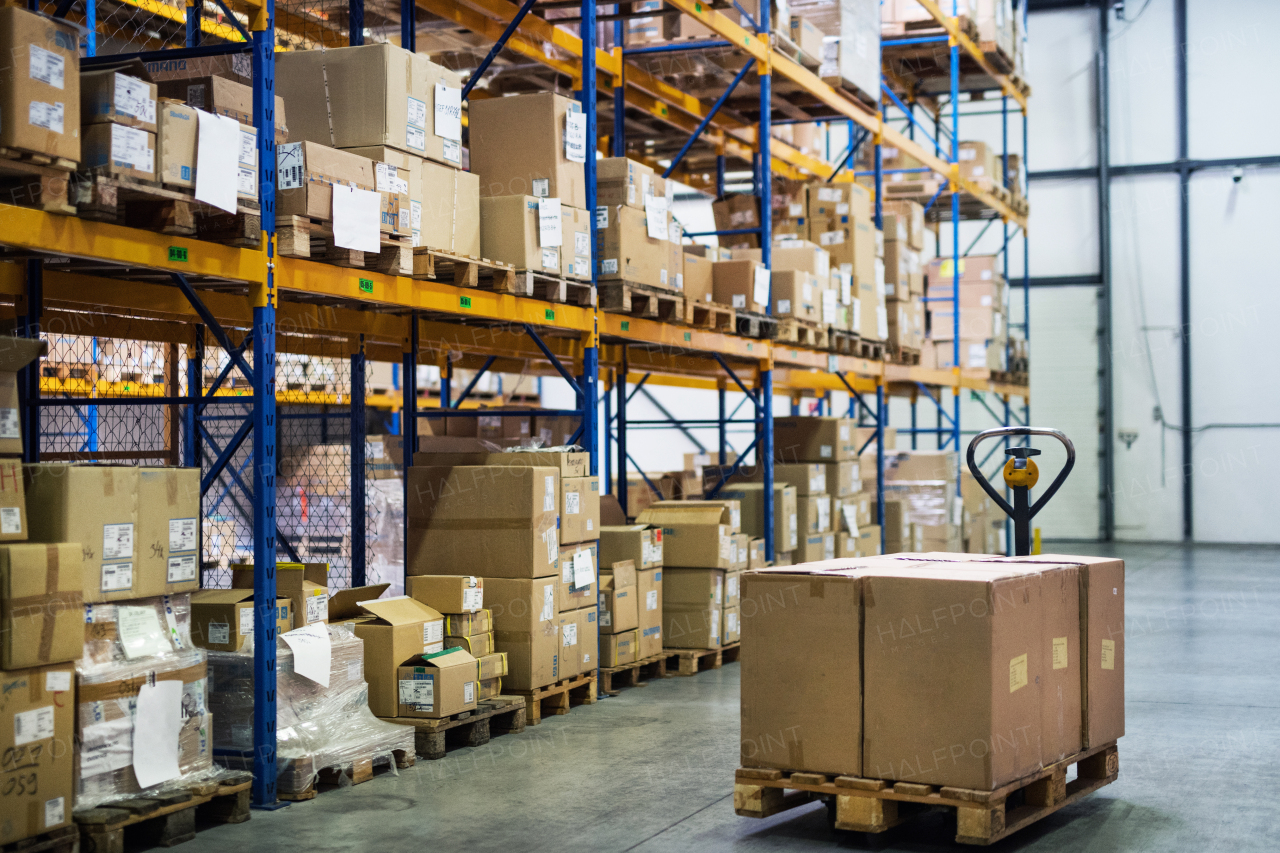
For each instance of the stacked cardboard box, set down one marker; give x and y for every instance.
(982, 322)
(642, 547)
(637, 239)
(468, 625)
(925, 481)
(995, 20)
(802, 282)
(840, 221)
(619, 614)
(1035, 659)
(118, 113)
(40, 82)
(903, 274)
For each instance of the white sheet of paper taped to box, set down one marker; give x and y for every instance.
(312, 652)
(550, 234)
(850, 512)
(141, 633)
(356, 218)
(448, 123)
(584, 573)
(158, 715)
(760, 288)
(218, 161)
(655, 216)
(575, 137)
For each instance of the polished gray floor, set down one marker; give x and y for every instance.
(652, 770)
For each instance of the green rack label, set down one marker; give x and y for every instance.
(688, 336)
(178, 254)
(366, 285)
(550, 314)
(626, 325)
(464, 301)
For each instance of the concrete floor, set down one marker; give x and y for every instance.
(652, 770)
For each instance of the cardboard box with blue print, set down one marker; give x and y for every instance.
(40, 82)
(619, 610)
(649, 603)
(579, 642)
(633, 245)
(693, 602)
(526, 629)
(306, 585)
(578, 578)
(437, 685)
(530, 145)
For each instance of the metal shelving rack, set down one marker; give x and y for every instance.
(253, 304)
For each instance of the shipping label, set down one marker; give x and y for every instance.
(182, 534)
(48, 67)
(116, 577)
(11, 520)
(31, 726)
(182, 568)
(48, 116)
(420, 692)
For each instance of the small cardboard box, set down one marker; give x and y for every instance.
(697, 277)
(344, 605)
(97, 506)
(569, 594)
(37, 729)
(733, 588)
(306, 173)
(492, 665)
(222, 619)
(639, 543)
(694, 534)
(113, 96)
(809, 439)
(619, 649)
(786, 525)
(40, 81)
(117, 151)
(740, 553)
(41, 605)
(15, 354)
(649, 603)
(518, 147)
(478, 645)
(223, 97)
(509, 234)
(842, 478)
(437, 685)
(395, 210)
(579, 509)
(731, 628)
(169, 527)
(813, 514)
(467, 624)
(756, 559)
(580, 655)
(620, 180)
(741, 284)
(815, 547)
(734, 213)
(619, 596)
(567, 463)
(403, 629)
(797, 295)
(177, 132)
(628, 252)
(526, 629)
(13, 502)
(306, 585)
(448, 593)
(693, 600)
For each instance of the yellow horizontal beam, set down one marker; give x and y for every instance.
(681, 341)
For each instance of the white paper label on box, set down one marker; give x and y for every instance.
(760, 288)
(572, 503)
(452, 151)
(386, 178)
(679, 281)
(549, 231)
(57, 682)
(415, 215)
(828, 193)
(448, 124)
(553, 545)
(416, 115)
(182, 568)
(247, 181)
(589, 525)
(33, 725)
(548, 603)
(312, 652)
(726, 546)
(130, 146)
(472, 599)
(662, 276)
(106, 746)
(575, 137)
(418, 691)
(968, 153)
(355, 670)
(584, 572)
(882, 322)
(141, 633)
(602, 217)
(415, 137)
(829, 306)
(541, 187)
(571, 634)
(581, 243)
(795, 210)
(48, 67)
(856, 304)
(132, 98)
(784, 306)
(469, 692)
(432, 632)
(655, 217)
(651, 600)
(581, 267)
(825, 451)
(549, 494)
(290, 171)
(842, 209)
(831, 238)
(246, 621)
(9, 427)
(850, 513)
(317, 608)
(11, 520)
(829, 547)
(609, 265)
(824, 514)
(117, 541)
(356, 218)
(566, 572)
(55, 812)
(219, 632)
(731, 587)
(248, 149)
(739, 300)
(116, 577)
(182, 534)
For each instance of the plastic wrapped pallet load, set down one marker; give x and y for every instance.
(318, 726)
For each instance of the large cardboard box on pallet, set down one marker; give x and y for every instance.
(526, 629)
(620, 180)
(577, 563)
(809, 439)
(306, 173)
(694, 534)
(744, 284)
(222, 96)
(38, 730)
(579, 509)
(692, 606)
(122, 95)
(823, 734)
(697, 277)
(619, 649)
(579, 642)
(39, 87)
(649, 603)
(501, 518)
(516, 230)
(41, 604)
(117, 151)
(404, 628)
(628, 251)
(519, 146)
(436, 685)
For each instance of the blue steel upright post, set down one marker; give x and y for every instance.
(264, 421)
(408, 26)
(591, 352)
(193, 23)
(955, 238)
(355, 22)
(765, 188)
(358, 564)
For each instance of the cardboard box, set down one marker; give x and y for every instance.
(691, 609)
(797, 295)
(573, 463)
(639, 543)
(306, 173)
(619, 649)
(223, 97)
(626, 182)
(824, 733)
(466, 516)
(697, 277)
(807, 37)
(97, 506)
(740, 551)
(810, 439)
(619, 611)
(467, 624)
(579, 642)
(114, 96)
(491, 666)
(518, 147)
(694, 535)
(579, 509)
(906, 324)
(116, 151)
(730, 626)
(177, 131)
(813, 514)
(737, 212)
(374, 94)
(41, 605)
(13, 502)
(40, 81)
(222, 619)
(38, 730)
(835, 201)
(477, 645)
(794, 254)
(649, 602)
(526, 629)
(344, 606)
(306, 585)
(626, 250)
(404, 628)
(815, 547)
(509, 233)
(841, 478)
(569, 594)
(860, 506)
(756, 558)
(786, 528)
(447, 593)
(15, 354)
(169, 528)
(437, 685)
(575, 253)
(741, 284)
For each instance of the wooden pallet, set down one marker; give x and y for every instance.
(613, 678)
(36, 180)
(752, 325)
(301, 237)
(150, 206)
(568, 291)
(843, 342)
(556, 699)
(801, 333)
(300, 780)
(709, 315)
(874, 805)
(873, 350)
(163, 820)
(904, 355)
(65, 840)
(499, 715)
(1011, 377)
(467, 271)
(929, 27)
(640, 300)
(693, 661)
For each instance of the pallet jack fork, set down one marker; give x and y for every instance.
(1020, 475)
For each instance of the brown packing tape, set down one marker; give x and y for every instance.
(109, 484)
(171, 488)
(128, 687)
(50, 586)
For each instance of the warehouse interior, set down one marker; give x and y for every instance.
(460, 478)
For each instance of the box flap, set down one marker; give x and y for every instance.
(401, 610)
(450, 658)
(17, 353)
(345, 603)
(684, 512)
(221, 596)
(624, 573)
(130, 67)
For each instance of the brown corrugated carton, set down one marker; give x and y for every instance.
(37, 729)
(694, 535)
(478, 645)
(468, 624)
(733, 588)
(786, 530)
(730, 626)
(13, 502)
(177, 131)
(123, 95)
(579, 642)
(815, 547)
(579, 509)
(169, 527)
(623, 181)
(691, 608)
(222, 619)
(734, 213)
(619, 649)
(509, 234)
(15, 354)
(518, 147)
(813, 514)
(571, 595)
(437, 685)
(306, 173)
(491, 666)
(625, 250)
(41, 605)
(809, 439)
(576, 251)
(649, 602)
(447, 593)
(797, 295)
(501, 518)
(306, 585)
(116, 151)
(40, 91)
(639, 543)
(527, 629)
(741, 284)
(221, 96)
(404, 628)
(697, 276)
(842, 478)
(618, 598)
(756, 558)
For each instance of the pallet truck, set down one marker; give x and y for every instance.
(1021, 474)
